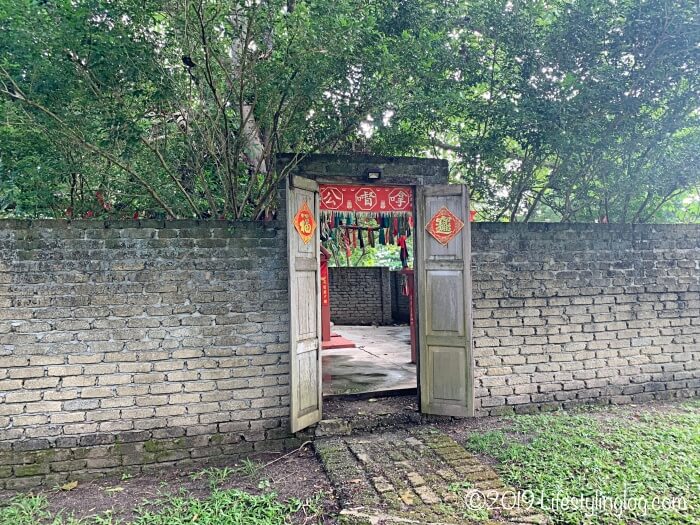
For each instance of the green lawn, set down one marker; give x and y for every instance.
(626, 463)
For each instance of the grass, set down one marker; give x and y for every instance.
(222, 507)
(638, 464)
(216, 476)
(249, 467)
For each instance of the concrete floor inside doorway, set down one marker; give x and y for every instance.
(379, 362)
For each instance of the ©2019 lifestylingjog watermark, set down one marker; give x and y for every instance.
(595, 504)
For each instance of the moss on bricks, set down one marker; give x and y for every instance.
(35, 469)
(152, 446)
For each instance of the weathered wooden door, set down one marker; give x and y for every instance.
(303, 245)
(443, 255)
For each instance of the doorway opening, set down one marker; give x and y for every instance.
(367, 260)
(439, 213)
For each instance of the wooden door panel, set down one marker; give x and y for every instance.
(305, 301)
(446, 315)
(443, 276)
(308, 382)
(447, 366)
(305, 308)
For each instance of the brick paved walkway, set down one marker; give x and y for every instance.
(417, 476)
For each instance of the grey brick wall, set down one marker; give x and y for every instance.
(569, 314)
(399, 302)
(133, 345)
(360, 296)
(151, 342)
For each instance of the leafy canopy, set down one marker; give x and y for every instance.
(571, 110)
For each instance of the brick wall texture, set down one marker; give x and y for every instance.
(399, 302)
(569, 314)
(360, 296)
(150, 342)
(132, 345)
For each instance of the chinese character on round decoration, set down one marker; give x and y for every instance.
(444, 226)
(332, 198)
(366, 199)
(400, 199)
(304, 223)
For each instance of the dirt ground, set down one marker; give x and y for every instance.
(298, 475)
(339, 408)
(461, 429)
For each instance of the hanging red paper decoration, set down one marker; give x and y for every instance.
(444, 226)
(304, 223)
(352, 198)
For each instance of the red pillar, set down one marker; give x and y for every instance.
(410, 286)
(325, 298)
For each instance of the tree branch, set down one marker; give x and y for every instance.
(17, 94)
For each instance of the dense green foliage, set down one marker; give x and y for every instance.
(178, 106)
(549, 109)
(561, 458)
(378, 256)
(566, 110)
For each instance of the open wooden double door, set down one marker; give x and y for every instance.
(443, 293)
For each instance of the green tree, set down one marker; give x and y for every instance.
(182, 106)
(571, 110)
(563, 109)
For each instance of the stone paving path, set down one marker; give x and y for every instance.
(417, 476)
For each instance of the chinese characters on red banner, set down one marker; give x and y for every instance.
(325, 293)
(347, 198)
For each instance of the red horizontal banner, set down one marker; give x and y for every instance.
(343, 198)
